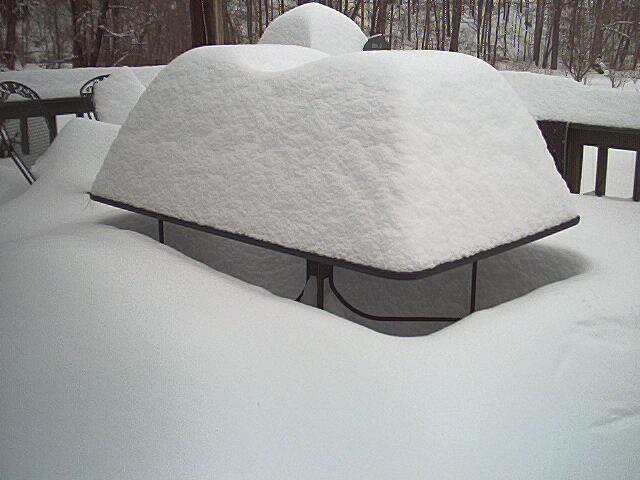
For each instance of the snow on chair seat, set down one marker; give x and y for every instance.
(347, 160)
(316, 26)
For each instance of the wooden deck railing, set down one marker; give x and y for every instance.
(565, 141)
(54, 107)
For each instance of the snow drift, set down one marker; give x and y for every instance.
(316, 26)
(344, 156)
(65, 173)
(122, 359)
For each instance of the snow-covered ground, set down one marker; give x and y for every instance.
(124, 358)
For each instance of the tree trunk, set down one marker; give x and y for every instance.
(391, 27)
(99, 33)
(408, 15)
(555, 40)
(77, 8)
(427, 25)
(547, 49)
(537, 31)
(10, 13)
(207, 27)
(495, 41)
(479, 27)
(249, 4)
(506, 23)
(572, 35)
(456, 16)
(436, 24)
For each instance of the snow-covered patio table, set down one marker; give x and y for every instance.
(353, 164)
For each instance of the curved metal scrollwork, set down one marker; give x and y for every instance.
(15, 88)
(87, 89)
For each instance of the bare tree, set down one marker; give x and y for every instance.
(455, 25)
(555, 36)
(537, 32)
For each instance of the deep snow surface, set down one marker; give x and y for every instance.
(65, 173)
(120, 358)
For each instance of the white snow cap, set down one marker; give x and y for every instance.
(316, 26)
(396, 160)
(115, 96)
(562, 99)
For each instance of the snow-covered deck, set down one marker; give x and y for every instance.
(125, 358)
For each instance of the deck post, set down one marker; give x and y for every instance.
(573, 173)
(53, 127)
(601, 170)
(636, 179)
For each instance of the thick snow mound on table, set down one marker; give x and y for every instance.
(563, 99)
(316, 26)
(347, 156)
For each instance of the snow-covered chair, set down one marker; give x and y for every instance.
(316, 26)
(87, 91)
(25, 138)
(115, 96)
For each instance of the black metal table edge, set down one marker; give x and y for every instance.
(337, 262)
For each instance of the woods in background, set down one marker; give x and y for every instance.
(92, 32)
(576, 35)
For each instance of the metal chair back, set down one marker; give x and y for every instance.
(26, 138)
(87, 91)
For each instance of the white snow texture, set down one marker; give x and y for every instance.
(563, 99)
(316, 26)
(346, 156)
(114, 97)
(65, 173)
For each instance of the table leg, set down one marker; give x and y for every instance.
(160, 231)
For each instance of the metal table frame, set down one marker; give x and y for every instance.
(321, 267)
